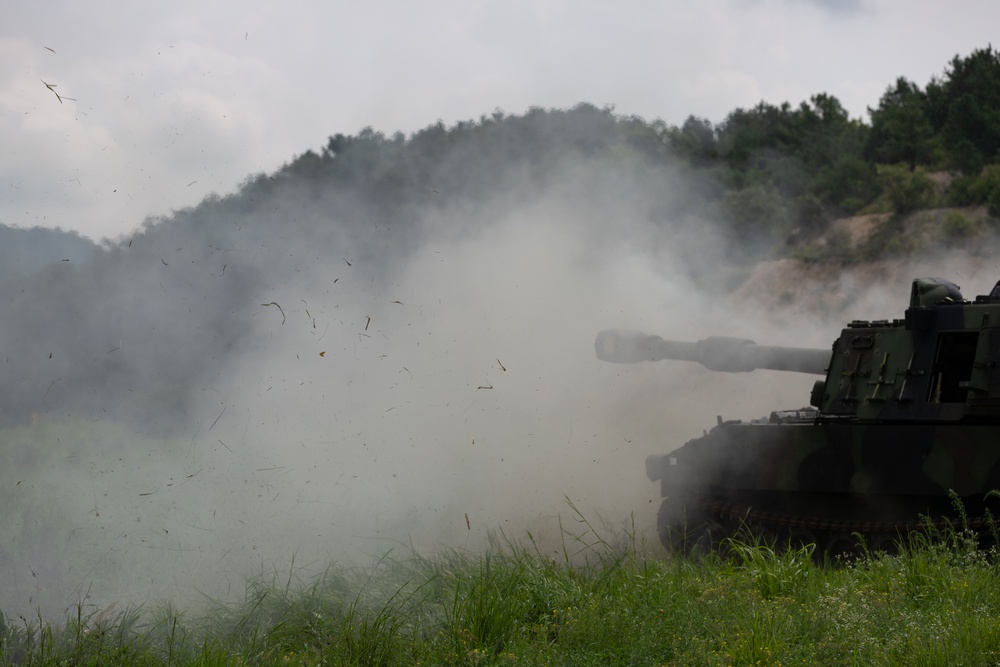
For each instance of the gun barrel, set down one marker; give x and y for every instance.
(717, 353)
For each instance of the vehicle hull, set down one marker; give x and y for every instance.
(821, 478)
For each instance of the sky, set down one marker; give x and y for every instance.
(154, 106)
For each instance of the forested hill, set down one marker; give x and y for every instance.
(762, 173)
(768, 176)
(155, 314)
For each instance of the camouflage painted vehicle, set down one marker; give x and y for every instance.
(905, 424)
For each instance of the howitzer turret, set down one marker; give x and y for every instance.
(906, 421)
(717, 353)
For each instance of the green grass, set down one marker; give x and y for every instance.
(603, 602)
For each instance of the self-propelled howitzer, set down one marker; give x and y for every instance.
(902, 434)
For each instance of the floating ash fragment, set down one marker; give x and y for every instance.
(275, 304)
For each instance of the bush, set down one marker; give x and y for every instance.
(758, 214)
(985, 185)
(906, 190)
(957, 227)
(849, 184)
(810, 213)
(993, 203)
(960, 191)
(982, 189)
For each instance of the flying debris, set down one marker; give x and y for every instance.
(275, 304)
(53, 86)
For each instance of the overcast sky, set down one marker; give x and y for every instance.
(174, 101)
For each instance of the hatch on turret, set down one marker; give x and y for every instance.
(931, 291)
(952, 370)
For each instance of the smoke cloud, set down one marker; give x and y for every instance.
(306, 372)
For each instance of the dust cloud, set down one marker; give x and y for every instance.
(299, 381)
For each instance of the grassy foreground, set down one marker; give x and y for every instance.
(600, 603)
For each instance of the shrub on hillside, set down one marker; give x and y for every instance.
(906, 190)
(957, 227)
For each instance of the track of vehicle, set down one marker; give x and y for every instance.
(713, 521)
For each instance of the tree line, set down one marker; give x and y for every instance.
(762, 172)
(778, 167)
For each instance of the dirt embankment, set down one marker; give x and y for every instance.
(798, 288)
